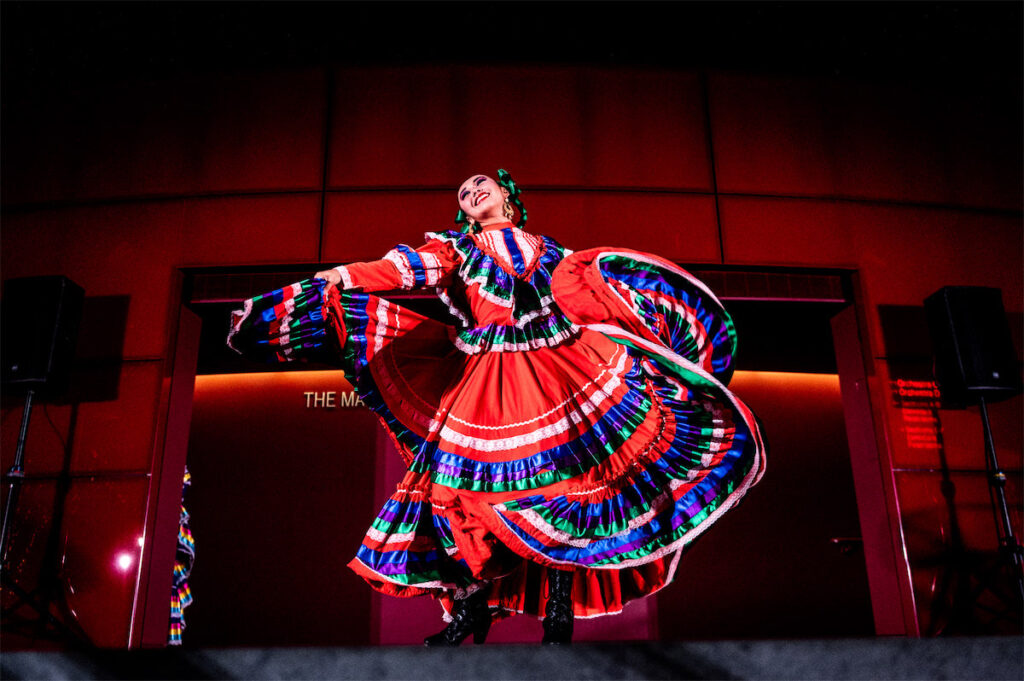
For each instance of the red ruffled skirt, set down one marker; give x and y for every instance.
(604, 455)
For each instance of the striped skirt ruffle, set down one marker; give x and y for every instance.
(605, 455)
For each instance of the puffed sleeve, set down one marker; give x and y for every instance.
(402, 268)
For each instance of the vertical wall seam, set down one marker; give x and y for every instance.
(711, 161)
(328, 108)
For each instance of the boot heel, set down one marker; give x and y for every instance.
(470, 616)
(558, 612)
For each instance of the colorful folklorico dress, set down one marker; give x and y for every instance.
(576, 418)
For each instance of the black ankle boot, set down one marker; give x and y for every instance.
(558, 617)
(470, 616)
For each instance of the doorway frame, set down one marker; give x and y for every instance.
(886, 563)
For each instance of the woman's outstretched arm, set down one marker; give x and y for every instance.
(401, 268)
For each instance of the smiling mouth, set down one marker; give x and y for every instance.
(480, 197)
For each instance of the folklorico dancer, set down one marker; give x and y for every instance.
(566, 436)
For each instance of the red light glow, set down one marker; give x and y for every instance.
(124, 561)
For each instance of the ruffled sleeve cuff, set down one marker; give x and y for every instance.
(346, 278)
(402, 268)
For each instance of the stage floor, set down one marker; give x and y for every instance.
(892, 658)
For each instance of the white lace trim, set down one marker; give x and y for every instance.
(385, 538)
(696, 330)
(545, 309)
(285, 328)
(618, 369)
(401, 263)
(601, 395)
(697, 283)
(436, 584)
(442, 294)
(548, 530)
(525, 247)
(482, 279)
(431, 268)
(237, 317)
(382, 324)
(529, 244)
(497, 245)
(752, 477)
(346, 277)
(525, 346)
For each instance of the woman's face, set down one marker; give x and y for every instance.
(482, 198)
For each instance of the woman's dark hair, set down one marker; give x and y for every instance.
(505, 180)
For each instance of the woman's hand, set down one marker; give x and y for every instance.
(333, 277)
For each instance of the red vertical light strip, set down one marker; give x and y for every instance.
(892, 596)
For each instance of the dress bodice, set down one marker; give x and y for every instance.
(502, 292)
(496, 283)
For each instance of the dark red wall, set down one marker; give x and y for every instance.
(283, 494)
(118, 185)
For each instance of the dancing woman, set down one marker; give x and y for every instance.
(565, 440)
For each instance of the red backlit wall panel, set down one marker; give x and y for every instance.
(561, 126)
(108, 250)
(257, 131)
(903, 254)
(209, 134)
(365, 225)
(107, 433)
(133, 249)
(250, 229)
(680, 226)
(677, 226)
(792, 136)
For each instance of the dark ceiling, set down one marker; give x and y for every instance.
(51, 43)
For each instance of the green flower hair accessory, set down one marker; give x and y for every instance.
(463, 223)
(506, 181)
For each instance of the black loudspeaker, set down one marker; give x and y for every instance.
(974, 354)
(40, 318)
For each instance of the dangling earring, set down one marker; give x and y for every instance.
(509, 213)
(473, 227)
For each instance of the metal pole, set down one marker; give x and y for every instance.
(15, 476)
(997, 479)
